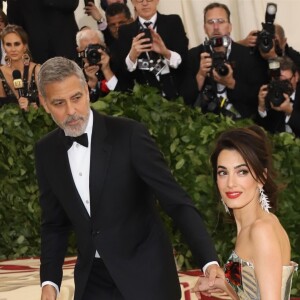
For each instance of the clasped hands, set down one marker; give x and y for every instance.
(213, 282)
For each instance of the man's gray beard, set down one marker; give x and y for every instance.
(74, 130)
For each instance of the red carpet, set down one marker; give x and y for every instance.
(19, 279)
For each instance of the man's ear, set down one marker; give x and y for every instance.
(43, 102)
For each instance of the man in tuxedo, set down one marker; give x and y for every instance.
(278, 114)
(157, 59)
(233, 93)
(98, 175)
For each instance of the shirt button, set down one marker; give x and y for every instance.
(80, 173)
(87, 202)
(77, 145)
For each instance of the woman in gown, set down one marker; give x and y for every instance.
(22, 91)
(260, 266)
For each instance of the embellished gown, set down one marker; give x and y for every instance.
(240, 275)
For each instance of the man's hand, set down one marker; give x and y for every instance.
(48, 292)
(261, 98)
(285, 106)
(92, 10)
(158, 45)
(90, 72)
(139, 45)
(204, 69)
(212, 272)
(227, 80)
(250, 39)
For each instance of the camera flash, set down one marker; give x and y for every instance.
(271, 8)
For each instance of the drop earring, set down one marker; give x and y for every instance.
(263, 200)
(225, 206)
(7, 60)
(26, 59)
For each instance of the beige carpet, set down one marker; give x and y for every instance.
(19, 279)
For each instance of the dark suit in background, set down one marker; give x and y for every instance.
(127, 174)
(50, 24)
(171, 30)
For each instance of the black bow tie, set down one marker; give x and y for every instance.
(82, 140)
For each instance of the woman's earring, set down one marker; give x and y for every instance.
(26, 59)
(7, 60)
(263, 200)
(225, 206)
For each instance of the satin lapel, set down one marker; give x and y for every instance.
(67, 185)
(100, 155)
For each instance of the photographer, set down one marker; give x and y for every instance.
(279, 101)
(279, 45)
(233, 92)
(96, 63)
(154, 54)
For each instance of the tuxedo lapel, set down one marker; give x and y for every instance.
(100, 155)
(65, 180)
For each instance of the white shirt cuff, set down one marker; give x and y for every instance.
(208, 264)
(287, 118)
(131, 66)
(111, 83)
(262, 114)
(102, 26)
(175, 60)
(53, 284)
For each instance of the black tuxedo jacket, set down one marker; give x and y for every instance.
(171, 30)
(127, 173)
(248, 71)
(274, 122)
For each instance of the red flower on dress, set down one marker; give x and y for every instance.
(233, 272)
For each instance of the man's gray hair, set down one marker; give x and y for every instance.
(57, 69)
(87, 34)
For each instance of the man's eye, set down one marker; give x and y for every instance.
(57, 103)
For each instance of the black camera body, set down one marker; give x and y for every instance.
(219, 59)
(276, 89)
(265, 37)
(208, 100)
(92, 55)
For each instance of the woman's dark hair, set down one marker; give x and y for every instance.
(253, 145)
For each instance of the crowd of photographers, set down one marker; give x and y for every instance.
(256, 77)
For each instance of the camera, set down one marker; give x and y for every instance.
(276, 89)
(265, 37)
(155, 66)
(219, 59)
(92, 55)
(209, 101)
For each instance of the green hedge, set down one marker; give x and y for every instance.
(184, 135)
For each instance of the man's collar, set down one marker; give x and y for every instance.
(152, 19)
